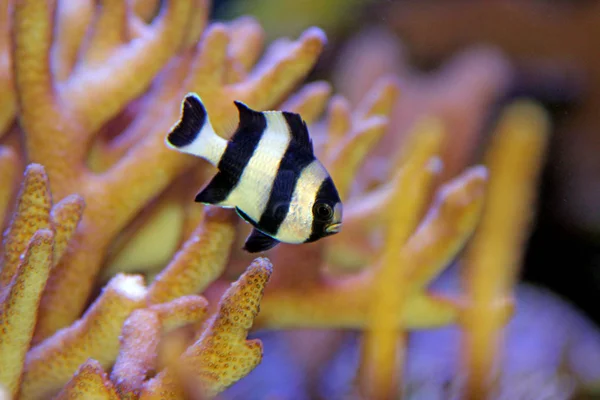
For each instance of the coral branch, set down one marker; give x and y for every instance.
(64, 218)
(8, 102)
(197, 23)
(150, 241)
(145, 9)
(8, 175)
(339, 122)
(363, 214)
(247, 41)
(138, 352)
(138, 62)
(32, 213)
(72, 21)
(447, 226)
(379, 365)
(181, 311)
(352, 151)
(380, 100)
(50, 364)
(208, 68)
(89, 383)
(493, 259)
(33, 33)
(108, 32)
(277, 81)
(200, 261)
(222, 355)
(309, 101)
(344, 303)
(18, 308)
(42, 115)
(163, 96)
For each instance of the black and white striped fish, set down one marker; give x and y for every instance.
(267, 171)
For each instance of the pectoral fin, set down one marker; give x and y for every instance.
(258, 242)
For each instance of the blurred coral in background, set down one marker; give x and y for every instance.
(450, 138)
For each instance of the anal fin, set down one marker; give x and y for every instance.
(258, 242)
(216, 191)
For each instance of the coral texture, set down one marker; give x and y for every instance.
(221, 355)
(115, 284)
(89, 382)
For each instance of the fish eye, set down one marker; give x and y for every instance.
(322, 211)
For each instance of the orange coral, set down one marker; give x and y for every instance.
(89, 382)
(20, 303)
(222, 355)
(344, 302)
(8, 103)
(137, 354)
(200, 261)
(459, 93)
(34, 240)
(154, 341)
(514, 160)
(8, 172)
(180, 312)
(74, 110)
(380, 363)
(32, 214)
(51, 363)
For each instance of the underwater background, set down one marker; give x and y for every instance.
(463, 136)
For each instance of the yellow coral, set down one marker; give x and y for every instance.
(74, 110)
(181, 311)
(222, 355)
(32, 214)
(390, 283)
(51, 363)
(344, 302)
(200, 261)
(137, 353)
(19, 304)
(34, 240)
(493, 260)
(8, 103)
(116, 194)
(64, 219)
(8, 175)
(89, 382)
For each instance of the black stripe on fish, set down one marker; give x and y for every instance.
(237, 154)
(299, 131)
(292, 164)
(216, 190)
(193, 116)
(327, 190)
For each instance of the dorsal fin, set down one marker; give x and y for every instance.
(249, 119)
(298, 130)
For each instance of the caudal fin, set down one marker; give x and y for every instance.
(193, 133)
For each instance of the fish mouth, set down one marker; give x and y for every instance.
(334, 228)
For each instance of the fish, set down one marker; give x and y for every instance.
(267, 172)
